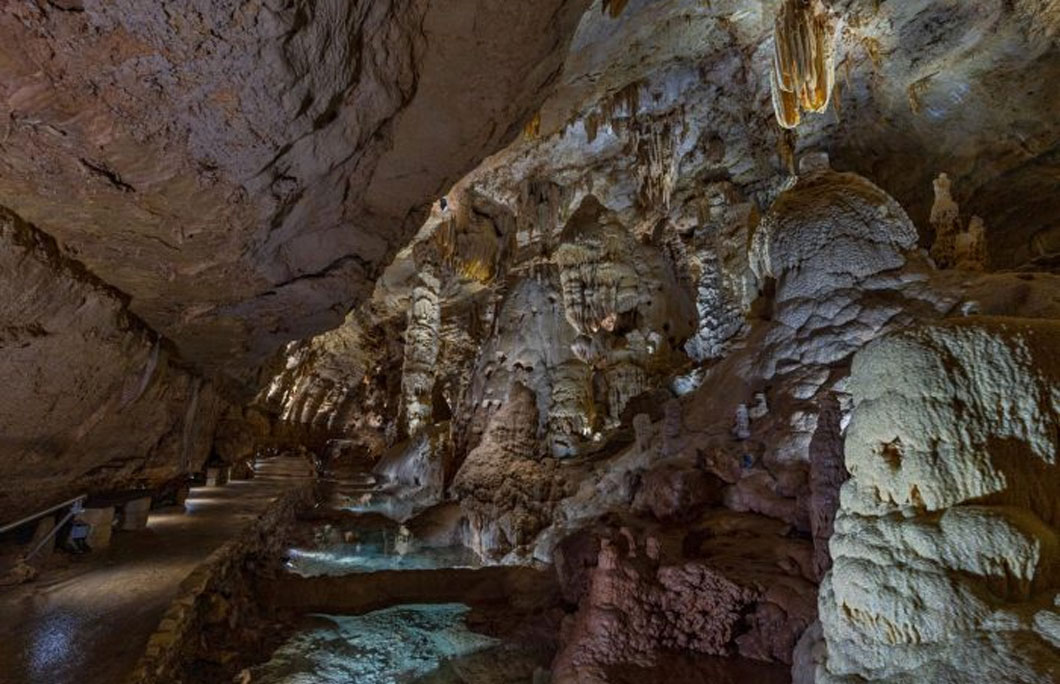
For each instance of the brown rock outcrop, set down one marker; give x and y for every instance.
(93, 398)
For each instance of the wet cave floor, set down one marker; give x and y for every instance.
(355, 597)
(88, 618)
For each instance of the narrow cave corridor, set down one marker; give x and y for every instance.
(573, 341)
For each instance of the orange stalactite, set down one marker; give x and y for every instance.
(614, 7)
(803, 64)
(532, 129)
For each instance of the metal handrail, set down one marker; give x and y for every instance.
(51, 533)
(41, 514)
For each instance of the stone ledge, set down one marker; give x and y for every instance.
(177, 632)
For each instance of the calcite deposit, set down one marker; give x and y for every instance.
(946, 539)
(741, 318)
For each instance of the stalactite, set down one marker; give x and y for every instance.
(467, 244)
(592, 126)
(599, 284)
(655, 147)
(542, 210)
(614, 7)
(803, 63)
(532, 129)
(624, 102)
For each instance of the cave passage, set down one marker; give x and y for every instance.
(550, 342)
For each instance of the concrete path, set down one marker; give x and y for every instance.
(87, 618)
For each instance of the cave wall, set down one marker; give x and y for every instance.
(93, 398)
(642, 319)
(227, 177)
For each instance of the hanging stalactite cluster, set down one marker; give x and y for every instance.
(803, 63)
(614, 110)
(467, 245)
(654, 144)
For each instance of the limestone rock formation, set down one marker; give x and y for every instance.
(946, 540)
(506, 485)
(734, 592)
(112, 407)
(803, 74)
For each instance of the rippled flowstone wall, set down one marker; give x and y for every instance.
(945, 563)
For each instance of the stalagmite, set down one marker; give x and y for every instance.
(421, 353)
(954, 247)
(970, 246)
(945, 220)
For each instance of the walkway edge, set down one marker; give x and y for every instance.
(182, 622)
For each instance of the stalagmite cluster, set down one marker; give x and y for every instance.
(954, 247)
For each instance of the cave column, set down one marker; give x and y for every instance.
(421, 351)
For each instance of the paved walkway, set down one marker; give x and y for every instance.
(88, 621)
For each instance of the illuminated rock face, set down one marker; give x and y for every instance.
(723, 502)
(803, 72)
(506, 486)
(945, 546)
(234, 176)
(110, 407)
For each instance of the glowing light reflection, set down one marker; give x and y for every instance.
(52, 641)
(346, 559)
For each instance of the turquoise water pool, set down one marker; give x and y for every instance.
(402, 645)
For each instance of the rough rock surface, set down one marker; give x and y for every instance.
(110, 408)
(234, 175)
(946, 544)
(506, 483)
(737, 586)
(260, 172)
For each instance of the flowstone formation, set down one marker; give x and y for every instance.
(945, 545)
